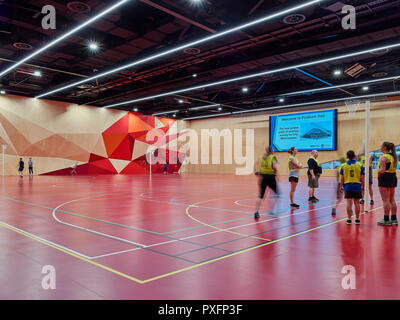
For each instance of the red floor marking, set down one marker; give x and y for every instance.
(307, 266)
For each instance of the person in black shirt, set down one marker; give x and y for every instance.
(314, 171)
(21, 167)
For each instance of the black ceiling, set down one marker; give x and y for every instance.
(142, 28)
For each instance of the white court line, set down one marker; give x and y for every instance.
(44, 240)
(208, 233)
(87, 229)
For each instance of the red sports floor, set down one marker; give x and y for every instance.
(186, 237)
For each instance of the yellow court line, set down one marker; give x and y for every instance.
(249, 249)
(179, 270)
(74, 255)
(220, 229)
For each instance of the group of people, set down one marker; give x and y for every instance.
(21, 166)
(350, 181)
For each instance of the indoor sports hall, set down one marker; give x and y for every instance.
(199, 150)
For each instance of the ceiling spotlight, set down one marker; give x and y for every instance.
(180, 101)
(93, 46)
(245, 89)
(37, 73)
(136, 109)
(194, 75)
(281, 100)
(219, 109)
(174, 115)
(2, 92)
(365, 88)
(337, 73)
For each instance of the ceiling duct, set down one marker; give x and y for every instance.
(22, 46)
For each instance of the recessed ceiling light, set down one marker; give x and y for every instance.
(2, 92)
(194, 75)
(37, 73)
(136, 109)
(180, 101)
(245, 89)
(365, 88)
(93, 46)
(174, 115)
(337, 72)
(219, 109)
(281, 100)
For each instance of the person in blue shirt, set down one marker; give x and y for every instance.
(351, 181)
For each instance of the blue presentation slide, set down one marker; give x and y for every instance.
(305, 131)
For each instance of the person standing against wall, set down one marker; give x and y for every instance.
(21, 166)
(30, 165)
(294, 175)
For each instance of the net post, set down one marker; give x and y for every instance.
(367, 156)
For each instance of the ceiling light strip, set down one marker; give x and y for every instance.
(254, 75)
(188, 45)
(298, 105)
(64, 36)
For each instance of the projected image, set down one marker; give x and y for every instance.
(306, 131)
(316, 131)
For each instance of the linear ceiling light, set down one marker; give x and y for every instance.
(166, 112)
(254, 75)
(205, 107)
(188, 45)
(392, 93)
(118, 4)
(340, 86)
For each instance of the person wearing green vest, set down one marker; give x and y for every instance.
(339, 193)
(313, 173)
(351, 181)
(267, 171)
(387, 182)
(294, 174)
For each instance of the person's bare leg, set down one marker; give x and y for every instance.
(393, 205)
(293, 186)
(349, 208)
(371, 192)
(357, 208)
(386, 200)
(258, 204)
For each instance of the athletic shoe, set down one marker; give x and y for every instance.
(348, 221)
(315, 199)
(358, 221)
(362, 201)
(384, 223)
(294, 205)
(371, 202)
(256, 215)
(395, 222)
(312, 200)
(333, 211)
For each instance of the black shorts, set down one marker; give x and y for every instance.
(21, 169)
(267, 180)
(387, 180)
(293, 179)
(352, 195)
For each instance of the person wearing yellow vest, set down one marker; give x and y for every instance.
(294, 174)
(387, 182)
(267, 171)
(352, 180)
(339, 193)
(313, 173)
(371, 191)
